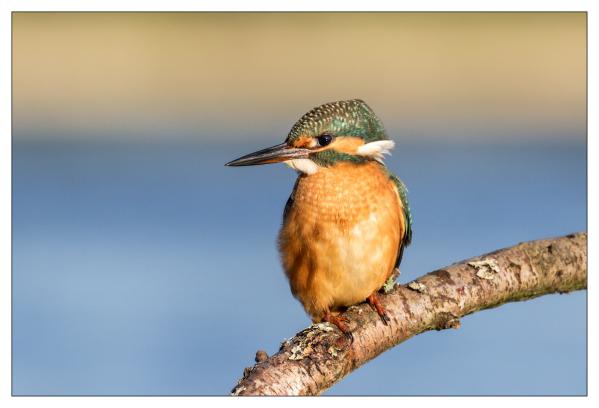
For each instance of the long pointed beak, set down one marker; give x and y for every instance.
(274, 154)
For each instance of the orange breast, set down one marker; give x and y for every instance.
(340, 239)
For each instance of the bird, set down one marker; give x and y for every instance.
(347, 220)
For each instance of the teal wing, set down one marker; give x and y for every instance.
(407, 237)
(289, 202)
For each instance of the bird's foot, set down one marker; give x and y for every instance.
(341, 322)
(374, 301)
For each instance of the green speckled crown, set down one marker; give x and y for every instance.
(341, 118)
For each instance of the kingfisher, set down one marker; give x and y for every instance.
(347, 220)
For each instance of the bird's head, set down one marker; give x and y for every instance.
(338, 131)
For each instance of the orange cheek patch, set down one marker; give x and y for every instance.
(343, 144)
(346, 144)
(303, 141)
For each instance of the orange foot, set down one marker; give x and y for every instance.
(341, 322)
(376, 304)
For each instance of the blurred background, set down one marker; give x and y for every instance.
(141, 265)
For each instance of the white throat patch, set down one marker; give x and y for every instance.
(376, 150)
(306, 166)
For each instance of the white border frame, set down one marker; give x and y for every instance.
(7, 6)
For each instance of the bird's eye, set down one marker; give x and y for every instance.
(324, 139)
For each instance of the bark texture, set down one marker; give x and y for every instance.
(316, 357)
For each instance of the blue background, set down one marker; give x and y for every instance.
(150, 268)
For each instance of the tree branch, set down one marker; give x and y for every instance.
(311, 362)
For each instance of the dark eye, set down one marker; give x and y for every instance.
(324, 139)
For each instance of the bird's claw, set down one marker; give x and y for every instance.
(385, 318)
(343, 320)
(342, 324)
(378, 307)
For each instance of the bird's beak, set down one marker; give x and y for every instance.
(274, 154)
